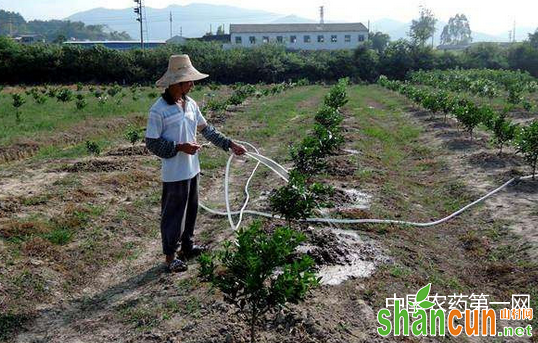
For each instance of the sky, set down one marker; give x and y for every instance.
(487, 16)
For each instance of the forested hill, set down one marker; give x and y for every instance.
(11, 22)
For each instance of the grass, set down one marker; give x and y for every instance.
(407, 179)
(146, 314)
(471, 253)
(142, 316)
(281, 119)
(55, 116)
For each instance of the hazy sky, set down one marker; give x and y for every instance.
(488, 16)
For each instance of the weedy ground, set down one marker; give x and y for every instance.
(79, 234)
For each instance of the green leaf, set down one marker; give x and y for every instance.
(422, 294)
(426, 304)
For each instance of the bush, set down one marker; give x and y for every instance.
(528, 106)
(328, 117)
(337, 96)
(515, 94)
(53, 92)
(18, 101)
(41, 99)
(330, 139)
(81, 103)
(527, 144)
(215, 105)
(93, 148)
(297, 199)
(503, 130)
(133, 134)
(115, 89)
(307, 157)
(64, 95)
(257, 273)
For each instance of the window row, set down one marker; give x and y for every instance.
(293, 39)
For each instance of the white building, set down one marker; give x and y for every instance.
(328, 36)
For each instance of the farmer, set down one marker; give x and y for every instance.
(171, 135)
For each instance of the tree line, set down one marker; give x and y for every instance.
(53, 63)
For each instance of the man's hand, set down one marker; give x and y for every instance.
(188, 148)
(237, 149)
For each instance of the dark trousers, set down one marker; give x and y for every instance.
(179, 207)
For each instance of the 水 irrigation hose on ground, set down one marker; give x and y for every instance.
(283, 173)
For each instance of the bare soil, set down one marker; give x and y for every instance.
(482, 167)
(109, 283)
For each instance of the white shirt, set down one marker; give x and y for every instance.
(173, 124)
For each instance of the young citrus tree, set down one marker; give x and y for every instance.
(18, 101)
(81, 103)
(93, 148)
(504, 130)
(257, 273)
(298, 198)
(337, 96)
(527, 144)
(328, 116)
(64, 95)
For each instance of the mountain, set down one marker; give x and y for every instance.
(292, 19)
(194, 19)
(51, 30)
(197, 18)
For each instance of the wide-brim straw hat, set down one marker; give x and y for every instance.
(180, 69)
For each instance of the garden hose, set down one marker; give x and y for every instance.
(283, 173)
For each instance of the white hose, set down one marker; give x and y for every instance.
(283, 173)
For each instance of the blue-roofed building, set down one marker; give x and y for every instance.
(117, 45)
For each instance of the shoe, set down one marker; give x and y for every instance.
(195, 250)
(176, 266)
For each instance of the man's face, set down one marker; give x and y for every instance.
(186, 86)
(181, 88)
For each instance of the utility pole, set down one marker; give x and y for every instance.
(10, 25)
(138, 11)
(514, 32)
(181, 31)
(321, 15)
(170, 24)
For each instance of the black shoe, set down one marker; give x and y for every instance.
(176, 266)
(195, 250)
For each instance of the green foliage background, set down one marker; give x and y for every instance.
(53, 63)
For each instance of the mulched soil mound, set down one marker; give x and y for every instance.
(17, 151)
(96, 166)
(8, 206)
(138, 150)
(488, 160)
(341, 166)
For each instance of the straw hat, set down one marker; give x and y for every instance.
(180, 69)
